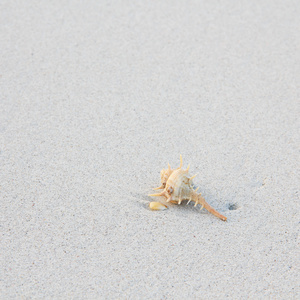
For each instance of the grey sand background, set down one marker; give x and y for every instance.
(96, 97)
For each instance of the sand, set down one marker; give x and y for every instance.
(97, 97)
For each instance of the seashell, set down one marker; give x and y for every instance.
(157, 206)
(178, 186)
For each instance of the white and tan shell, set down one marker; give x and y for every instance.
(157, 206)
(177, 186)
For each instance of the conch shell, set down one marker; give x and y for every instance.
(177, 186)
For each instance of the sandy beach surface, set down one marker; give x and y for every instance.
(96, 97)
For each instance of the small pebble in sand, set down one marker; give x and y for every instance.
(157, 206)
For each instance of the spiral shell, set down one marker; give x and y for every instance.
(178, 186)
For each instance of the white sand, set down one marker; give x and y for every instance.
(97, 97)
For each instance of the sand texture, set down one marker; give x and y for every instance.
(96, 97)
